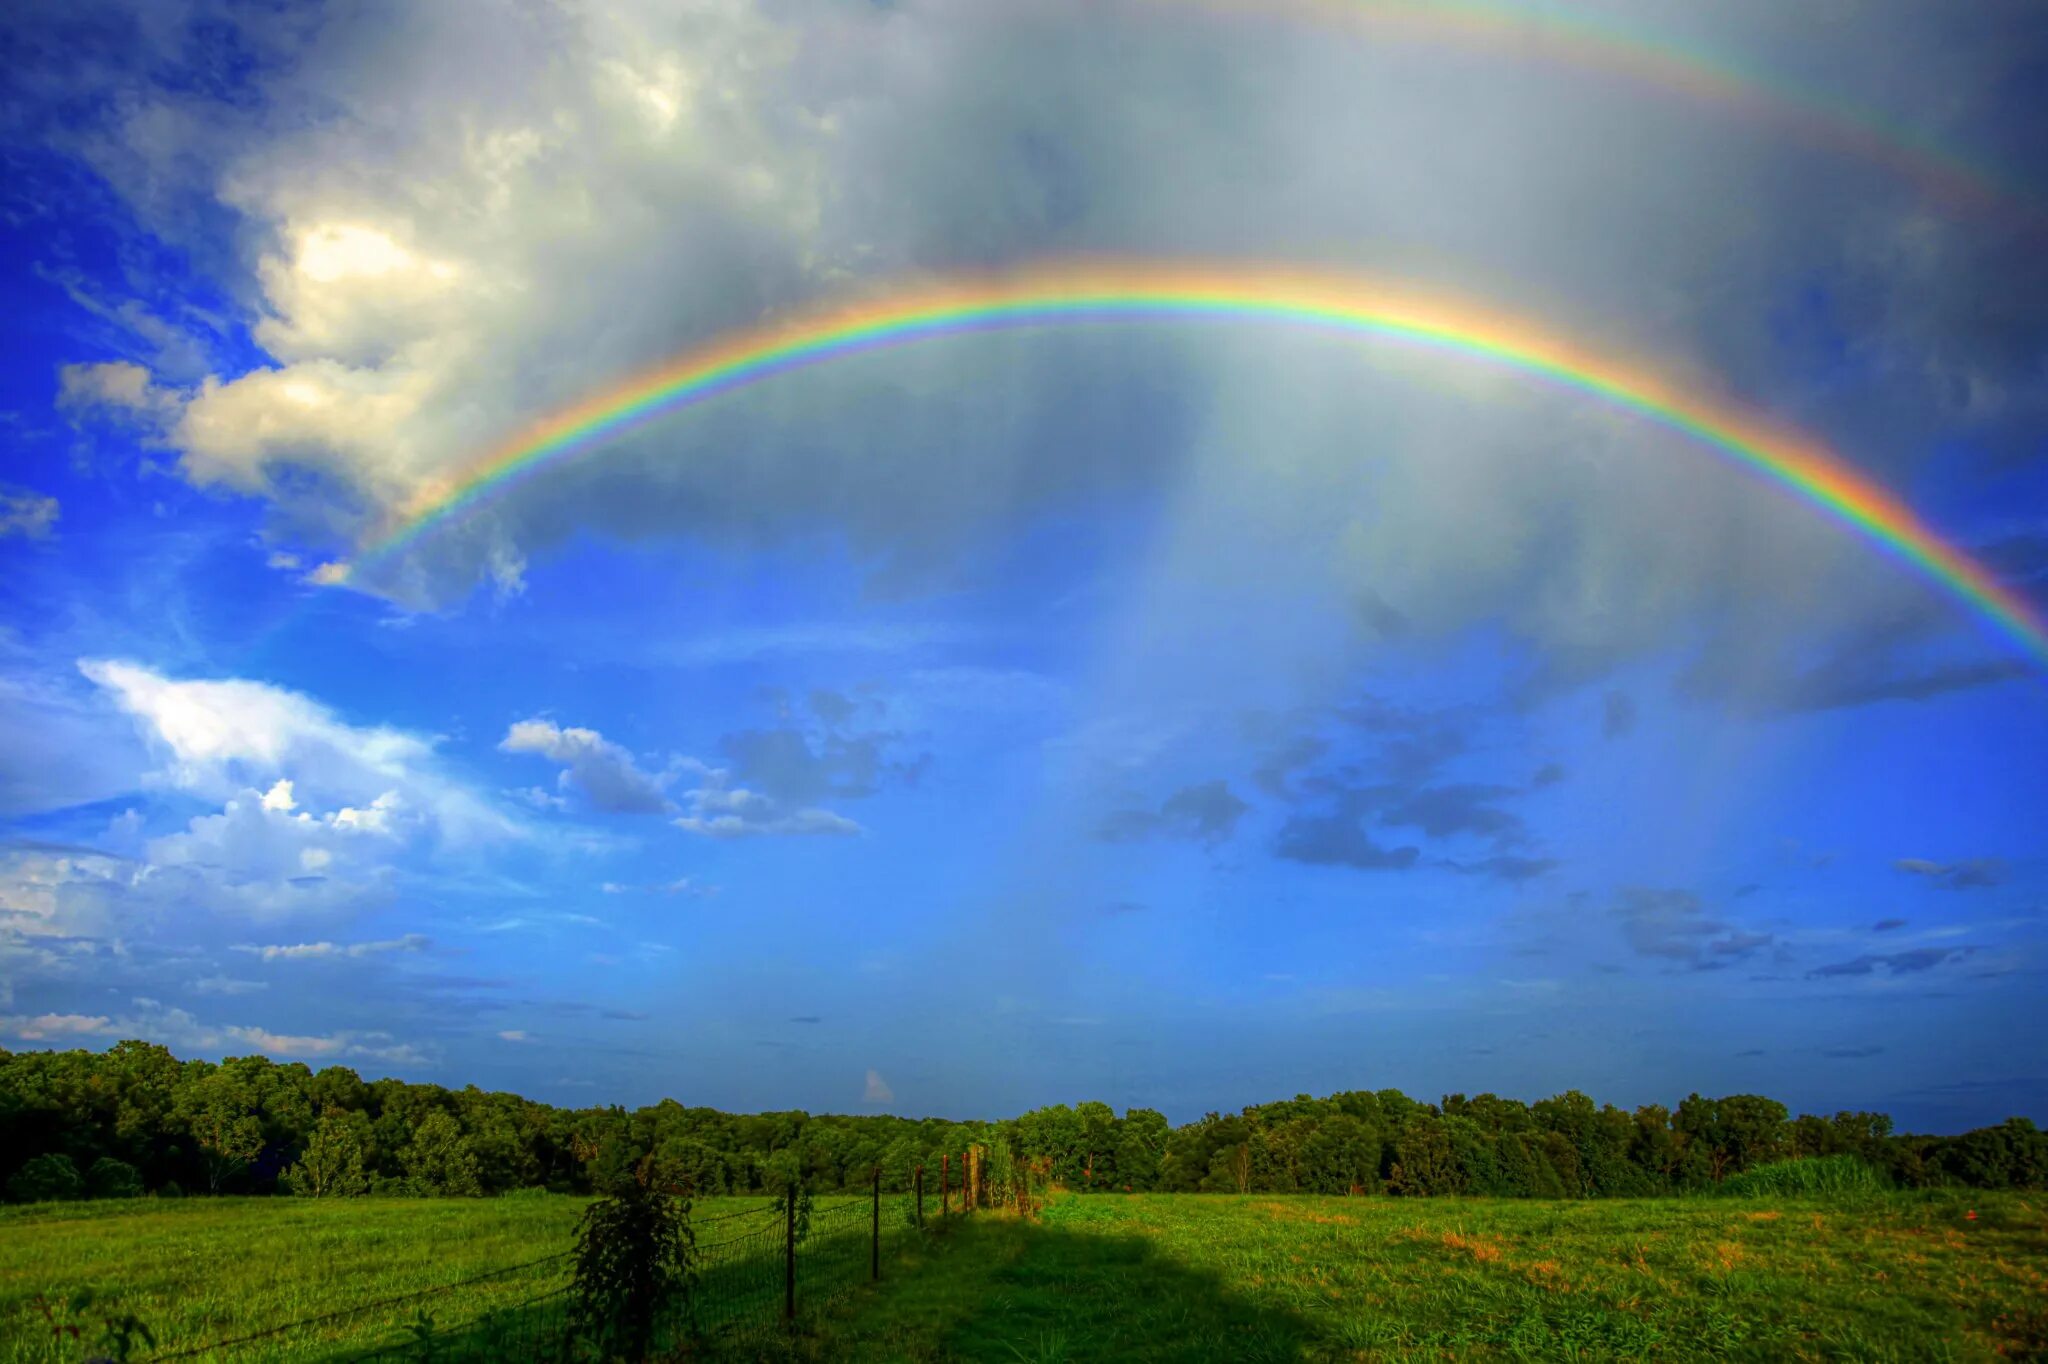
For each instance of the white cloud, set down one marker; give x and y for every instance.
(316, 817)
(682, 885)
(514, 1035)
(717, 811)
(222, 736)
(315, 951)
(455, 222)
(603, 771)
(50, 1027)
(122, 386)
(180, 1030)
(25, 513)
(227, 985)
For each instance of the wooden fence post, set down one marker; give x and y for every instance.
(917, 1182)
(789, 1260)
(945, 1184)
(875, 1241)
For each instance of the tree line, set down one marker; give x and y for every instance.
(135, 1119)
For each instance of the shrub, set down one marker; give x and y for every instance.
(45, 1179)
(632, 1262)
(1815, 1176)
(110, 1178)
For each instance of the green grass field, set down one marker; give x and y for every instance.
(1905, 1277)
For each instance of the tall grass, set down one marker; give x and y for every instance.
(1155, 1279)
(1842, 1176)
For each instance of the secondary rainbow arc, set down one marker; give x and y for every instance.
(1108, 293)
(1557, 35)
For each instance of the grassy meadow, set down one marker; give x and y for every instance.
(1144, 1277)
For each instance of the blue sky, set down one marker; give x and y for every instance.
(1175, 717)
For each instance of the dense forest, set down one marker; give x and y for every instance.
(136, 1120)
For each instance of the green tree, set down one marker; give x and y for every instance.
(221, 1116)
(438, 1159)
(110, 1178)
(46, 1178)
(1424, 1162)
(1141, 1144)
(332, 1165)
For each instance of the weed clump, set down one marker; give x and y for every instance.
(1812, 1177)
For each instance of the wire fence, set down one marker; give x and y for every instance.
(755, 1274)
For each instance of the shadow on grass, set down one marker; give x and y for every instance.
(989, 1288)
(1001, 1289)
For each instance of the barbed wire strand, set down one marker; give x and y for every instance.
(830, 1224)
(364, 1307)
(728, 1216)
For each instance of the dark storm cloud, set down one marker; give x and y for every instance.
(1376, 764)
(1466, 808)
(2018, 558)
(832, 707)
(1877, 661)
(1833, 690)
(1207, 812)
(1381, 619)
(798, 768)
(1974, 873)
(604, 771)
(1895, 963)
(1338, 841)
(1507, 867)
(1887, 925)
(787, 765)
(1273, 769)
(1673, 924)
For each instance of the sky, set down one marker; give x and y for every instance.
(1180, 714)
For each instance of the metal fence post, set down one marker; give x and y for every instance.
(789, 1259)
(875, 1235)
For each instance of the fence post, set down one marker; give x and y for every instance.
(875, 1236)
(789, 1259)
(945, 1184)
(917, 1182)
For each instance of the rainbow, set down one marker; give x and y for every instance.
(1549, 34)
(1096, 293)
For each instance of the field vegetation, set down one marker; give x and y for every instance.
(1873, 1276)
(1362, 1225)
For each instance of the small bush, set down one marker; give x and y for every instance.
(633, 1253)
(46, 1179)
(110, 1178)
(1813, 1177)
